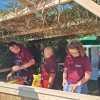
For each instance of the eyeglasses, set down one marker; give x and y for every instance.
(74, 53)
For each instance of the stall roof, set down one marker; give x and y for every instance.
(52, 22)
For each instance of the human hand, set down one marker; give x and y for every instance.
(49, 85)
(9, 76)
(16, 68)
(64, 82)
(74, 87)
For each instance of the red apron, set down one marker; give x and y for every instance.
(45, 78)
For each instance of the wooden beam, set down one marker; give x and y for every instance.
(28, 10)
(26, 3)
(7, 40)
(30, 31)
(90, 5)
(19, 92)
(44, 3)
(5, 70)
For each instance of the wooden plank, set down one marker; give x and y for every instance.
(4, 96)
(26, 3)
(90, 5)
(30, 31)
(41, 93)
(5, 70)
(44, 3)
(29, 10)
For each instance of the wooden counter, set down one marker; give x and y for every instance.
(22, 92)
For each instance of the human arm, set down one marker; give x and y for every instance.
(29, 64)
(87, 68)
(64, 76)
(26, 59)
(51, 80)
(65, 72)
(10, 74)
(82, 81)
(24, 66)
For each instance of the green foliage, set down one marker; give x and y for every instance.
(59, 47)
(2, 12)
(74, 19)
(6, 58)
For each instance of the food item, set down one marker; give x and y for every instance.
(37, 80)
(17, 80)
(21, 81)
(13, 81)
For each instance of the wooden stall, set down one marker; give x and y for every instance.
(22, 92)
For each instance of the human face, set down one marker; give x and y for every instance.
(46, 53)
(13, 49)
(74, 52)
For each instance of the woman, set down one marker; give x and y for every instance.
(77, 68)
(49, 68)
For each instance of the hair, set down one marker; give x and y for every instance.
(74, 44)
(13, 44)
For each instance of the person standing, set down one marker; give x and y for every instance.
(77, 69)
(49, 69)
(23, 61)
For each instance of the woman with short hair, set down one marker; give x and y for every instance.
(49, 68)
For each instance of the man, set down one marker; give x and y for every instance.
(23, 63)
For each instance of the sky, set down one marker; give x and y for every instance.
(1, 5)
(4, 7)
(4, 4)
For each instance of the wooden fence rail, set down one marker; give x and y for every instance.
(21, 92)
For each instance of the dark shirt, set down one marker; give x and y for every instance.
(76, 67)
(25, 56)
(50, 65)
